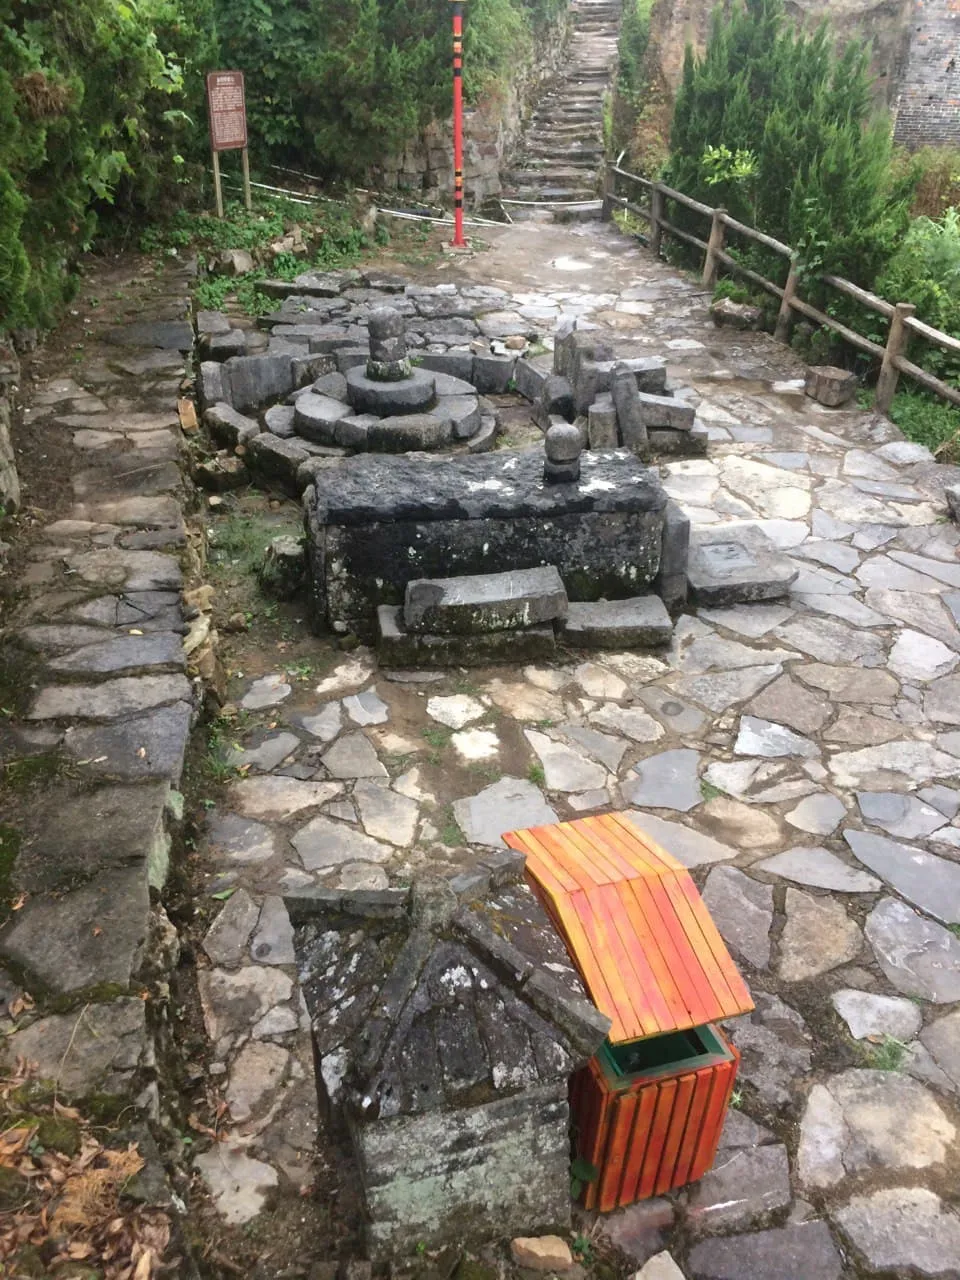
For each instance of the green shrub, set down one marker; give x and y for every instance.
(929, 422)
(925, 270)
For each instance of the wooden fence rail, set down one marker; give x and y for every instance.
(902, 321)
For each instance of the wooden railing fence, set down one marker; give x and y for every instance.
(902, 321)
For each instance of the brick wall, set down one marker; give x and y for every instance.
(928, 103)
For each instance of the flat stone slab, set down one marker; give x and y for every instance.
(899, 814)
(324, 843)
(867, 1014)
(799, 1251)
(818, 936)
(744, 1185)
(618, 624)
(742, 910)
(272, 798)
(920, 957)
(353, 756)
(670, 780)
(728, 567)
(238, 839)
(386, 399)
(148, 746)
(772, 741)
(903, 1230)
(94, 1051)
(238, 1183)
(565, 769)
(111, 700)
(485, 602)
(776, 1048)
(929, 882)
(385, 814)
(818, 814)
(861, 1120)
(399, 647)
(819, 869)
(511, 804)
(686, 845)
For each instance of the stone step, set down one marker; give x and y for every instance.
(736, 566)
(554, 194)
(398, 647)
(553, 175)
(485, 602)
(618, 624)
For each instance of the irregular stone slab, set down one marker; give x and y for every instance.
(618, 624)
(743, 1186)
(942, 1040)
(850, 684)
(676, 714)
(724, 689)
(233, 1002)
(906, 1230)
(920, 658)
(238, 839)
(361, 875)
(385, 814)
(831, 641)
(148, 746)
(762, 738)
(238, 1183)
(686, 845)
(748, 827)
(752, 620)
(601, 746)
(124, 654)
(669, 780)
(942, 701)
(919, 957)
(346, 677)
(366, 708)
(777, 494)
(945, 799)
(270, 753)
(420, 649)
(225, 942)
(254, 1078)
(867, 1120)
(117, 569)
(660, 1267)
(818, 814)
(868, 1015)
(916, 761)
(354, 757)
(799, 1251)
(524, 702)
(476, 744)
(899, 814)
(326, 724)
(860, 729)
(273, 941)
(742, 909)
(325, 843)
(637, 1229)
(510, 804)
(274, 798)
(759, 781)
(929, 882)
(268, 691)
(709, 652)
(455, 711)
(787, 702)
(776, 1048)
(819, 869)
(485, 602)
(111, 700)
(93, 935)
(97, 1050)
(817, 937)
(632, 722)
(916, 609)
(597, 682)
(564, 768)
(735, 566)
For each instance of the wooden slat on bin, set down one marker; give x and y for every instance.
(634, 924)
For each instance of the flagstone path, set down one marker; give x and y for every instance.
(803, 758)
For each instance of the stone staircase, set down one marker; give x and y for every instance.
(562, 150)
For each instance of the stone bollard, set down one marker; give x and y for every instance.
(562, 445)
(284, 566)
(387, 331)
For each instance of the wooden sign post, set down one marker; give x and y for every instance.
(226, 107)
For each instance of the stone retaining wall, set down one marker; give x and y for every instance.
(424, 171)
(928, 106)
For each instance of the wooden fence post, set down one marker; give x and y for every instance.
(609, 189)
(785, 315)
(656, 219)
(714, 246)
(897, 340)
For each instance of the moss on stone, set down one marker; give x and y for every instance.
(13, 1188)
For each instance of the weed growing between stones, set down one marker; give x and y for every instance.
(536, 774)
(888, 1055)
(450, 833)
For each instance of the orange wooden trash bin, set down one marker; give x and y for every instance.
(649, 1108)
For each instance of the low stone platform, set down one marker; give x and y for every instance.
(485, 602)
(736, 565)
(376, 524)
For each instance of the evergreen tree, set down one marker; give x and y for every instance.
(776, 126)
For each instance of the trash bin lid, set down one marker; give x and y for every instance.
(634, 924)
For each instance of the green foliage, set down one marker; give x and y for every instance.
(582, 1172)
(888, 1055)
(928, 421)
(92, 98)
(925, 270)
(777, 126)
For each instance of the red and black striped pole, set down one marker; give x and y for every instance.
(458, 241)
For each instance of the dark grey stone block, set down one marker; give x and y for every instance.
(388, 399)
(418, 649)
(458, 364)
(626, 399)
(462, 412)
(667, 443)
(485, 602)
(665, 411)
(529, 379)
(221, 346)
(650, 373)
(213, 385)
(737, 566)
(556, 400)
(316, 417)
(351, 357)
(411, 432)
(618, 624)
(255, 381)
(492, 374)
(671, 582)
(229, 427)
(277, 459)
(279, 419)
(602, 429)
(306, 369)
(171, 335)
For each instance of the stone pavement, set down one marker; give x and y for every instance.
(802, 757)
(98, 701)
